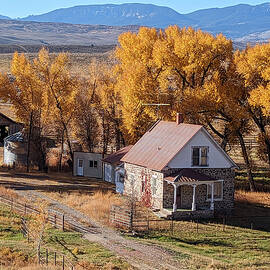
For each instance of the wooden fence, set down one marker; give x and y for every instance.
(121, 217)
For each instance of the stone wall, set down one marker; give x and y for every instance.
(189, 215)
(135, 176)
(226, 205)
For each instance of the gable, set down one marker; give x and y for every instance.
(160, 144)
(217, 158)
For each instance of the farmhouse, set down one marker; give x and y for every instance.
(179, 169)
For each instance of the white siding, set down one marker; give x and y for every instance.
(87, 170)
(216, 158)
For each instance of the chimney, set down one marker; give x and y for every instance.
(179, 118)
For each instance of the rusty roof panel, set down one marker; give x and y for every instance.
(159, 145)
(115, 158)
(188, 176)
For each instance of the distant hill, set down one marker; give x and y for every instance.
(4, 17)
(115, 15)
(14, 32)
(235, 22)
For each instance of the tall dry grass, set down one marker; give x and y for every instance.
(8, 192)
(96, 206)
(262, 198)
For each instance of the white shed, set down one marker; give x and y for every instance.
(87, 164)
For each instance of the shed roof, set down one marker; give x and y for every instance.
(115, 158)
(16, 137)
(188, 176)
(7, 112)
(160, 144)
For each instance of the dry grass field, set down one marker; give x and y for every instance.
(80, 61)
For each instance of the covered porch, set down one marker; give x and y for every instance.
(194, 195)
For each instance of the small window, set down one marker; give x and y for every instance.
(95, 164)
(200, 156)
(154, 184)
(121, 179)
(80, 163)
(196, 156)
(218, 191)
(91, 163)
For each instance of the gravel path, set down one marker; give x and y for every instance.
(140, 256)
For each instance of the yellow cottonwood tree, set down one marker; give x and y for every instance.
(253, 64)
(59, 88)
(23, 89)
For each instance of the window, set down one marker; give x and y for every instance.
(93, 163)
(200, 156)
(218, 191)
(154, 184)
(121, 179)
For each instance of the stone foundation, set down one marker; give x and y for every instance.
(193, 215)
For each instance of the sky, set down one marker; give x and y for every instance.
(23, 8)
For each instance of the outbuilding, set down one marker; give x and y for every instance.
(113, 168)
(87, 164)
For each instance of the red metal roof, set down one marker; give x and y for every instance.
(115, 158)
(188, 176)
(160, 144)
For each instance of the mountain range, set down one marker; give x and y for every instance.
(242, 23)
(235, 21)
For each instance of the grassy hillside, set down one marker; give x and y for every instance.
(80, 56)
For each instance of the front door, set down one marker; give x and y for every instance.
(80, 167)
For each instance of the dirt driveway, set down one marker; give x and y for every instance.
(140, 256)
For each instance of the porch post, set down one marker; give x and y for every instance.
(212, 197)
(175, 198)
(194, 199)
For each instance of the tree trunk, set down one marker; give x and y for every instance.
(61, 153)
(29, 143)
(259, 122)
(247, 161)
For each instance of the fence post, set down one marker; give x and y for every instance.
(251, 225)
(63, 223)
(54, 258)
(63, 263)
(54, 221)
(47, 257)
(224, 224)
(25, 209)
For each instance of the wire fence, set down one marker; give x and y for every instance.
(47, 256)
(125, 220)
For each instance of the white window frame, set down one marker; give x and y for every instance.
(209, 191)
(200, 156)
